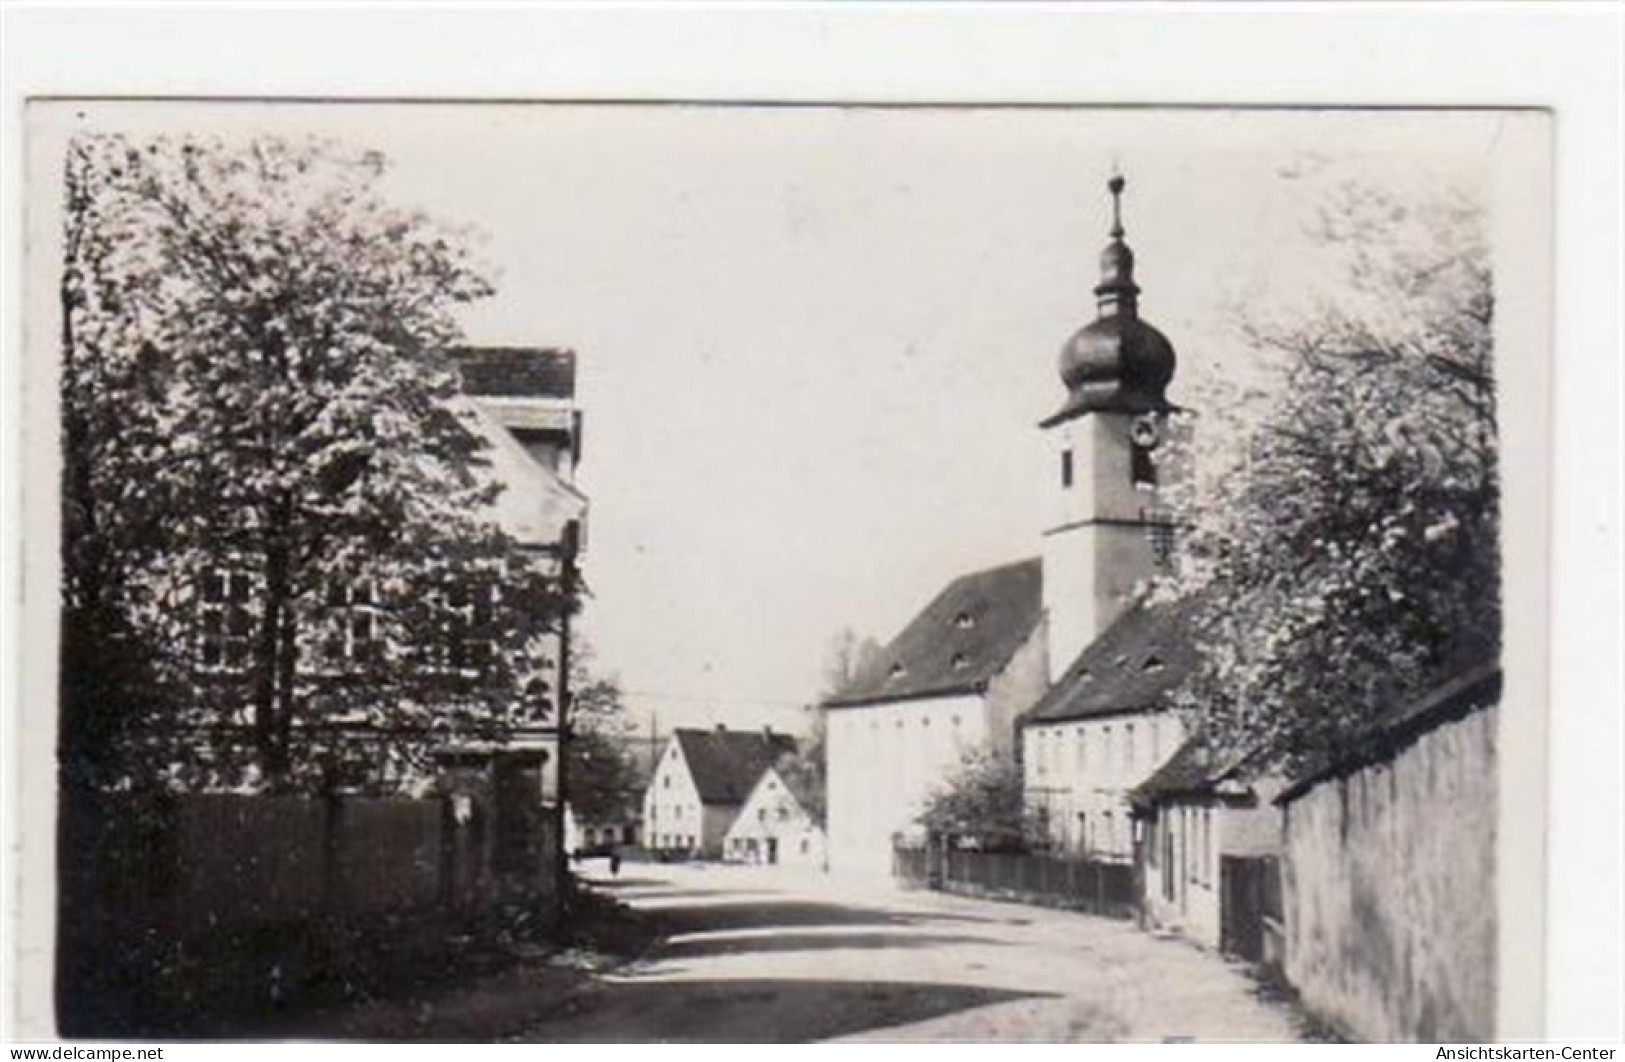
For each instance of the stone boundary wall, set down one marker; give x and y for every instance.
(1389, 890)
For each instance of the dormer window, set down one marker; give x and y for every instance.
(964, 621)
(960, 661)
(1152, 664)
(897, 670)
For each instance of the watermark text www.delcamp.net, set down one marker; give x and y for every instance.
(89, 1054)
(1527, 1054)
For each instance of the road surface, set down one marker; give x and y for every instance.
(767, 954)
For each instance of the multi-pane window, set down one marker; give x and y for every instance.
(473, 610)
(352, 622)
(228, 622)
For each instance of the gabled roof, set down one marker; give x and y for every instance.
(516, 372)
(726, 764)
(1133, 667)
(1190, 770)
(963, 638)
(1470, 691)
(1194, 769)
(793, 784)
(535, 502)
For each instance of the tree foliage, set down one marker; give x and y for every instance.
(981, 803)
(1346, 554)
(271, 499)
(847, 658)
(606, 785)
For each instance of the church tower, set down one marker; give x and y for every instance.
(1109, 526)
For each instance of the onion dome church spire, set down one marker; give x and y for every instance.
(1117, 362)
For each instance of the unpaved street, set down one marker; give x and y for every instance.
(766, 954)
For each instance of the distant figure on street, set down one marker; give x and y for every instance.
(615, 862)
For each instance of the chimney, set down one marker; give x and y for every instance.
(722, 728)
(767, 732)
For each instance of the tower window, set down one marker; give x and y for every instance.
(1143, 468)
(1066, 469)
(1161, 537)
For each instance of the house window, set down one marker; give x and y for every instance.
(665, 781)
(1106, 747)
(1128, 749)
(1156, 743)
(352, 622)
(1110, 830)
(228, 624)
(470, 611)
(1083, 749)
(1144, 467)
(1066, 469)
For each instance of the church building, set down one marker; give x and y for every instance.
(1052, 659)
(1105, 725)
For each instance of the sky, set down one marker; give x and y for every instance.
(814, 343)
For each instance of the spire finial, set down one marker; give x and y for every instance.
(1115, 186)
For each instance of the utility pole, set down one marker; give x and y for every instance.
(569, 547)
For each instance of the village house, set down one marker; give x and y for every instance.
(520, 401)
(700, 784)
(1207, 855)
(775, 825)
(1106, 727)
(954, 680)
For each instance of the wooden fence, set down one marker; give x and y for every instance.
(163, 900)
(1077, 884)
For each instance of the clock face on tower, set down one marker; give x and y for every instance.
(1145, 433)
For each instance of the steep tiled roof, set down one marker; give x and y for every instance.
(516, 372)
(963, 638)
(726, 764)
(1191, 769)
(1133, 667)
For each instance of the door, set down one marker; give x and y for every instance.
(1241, 906)
(772, 849)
